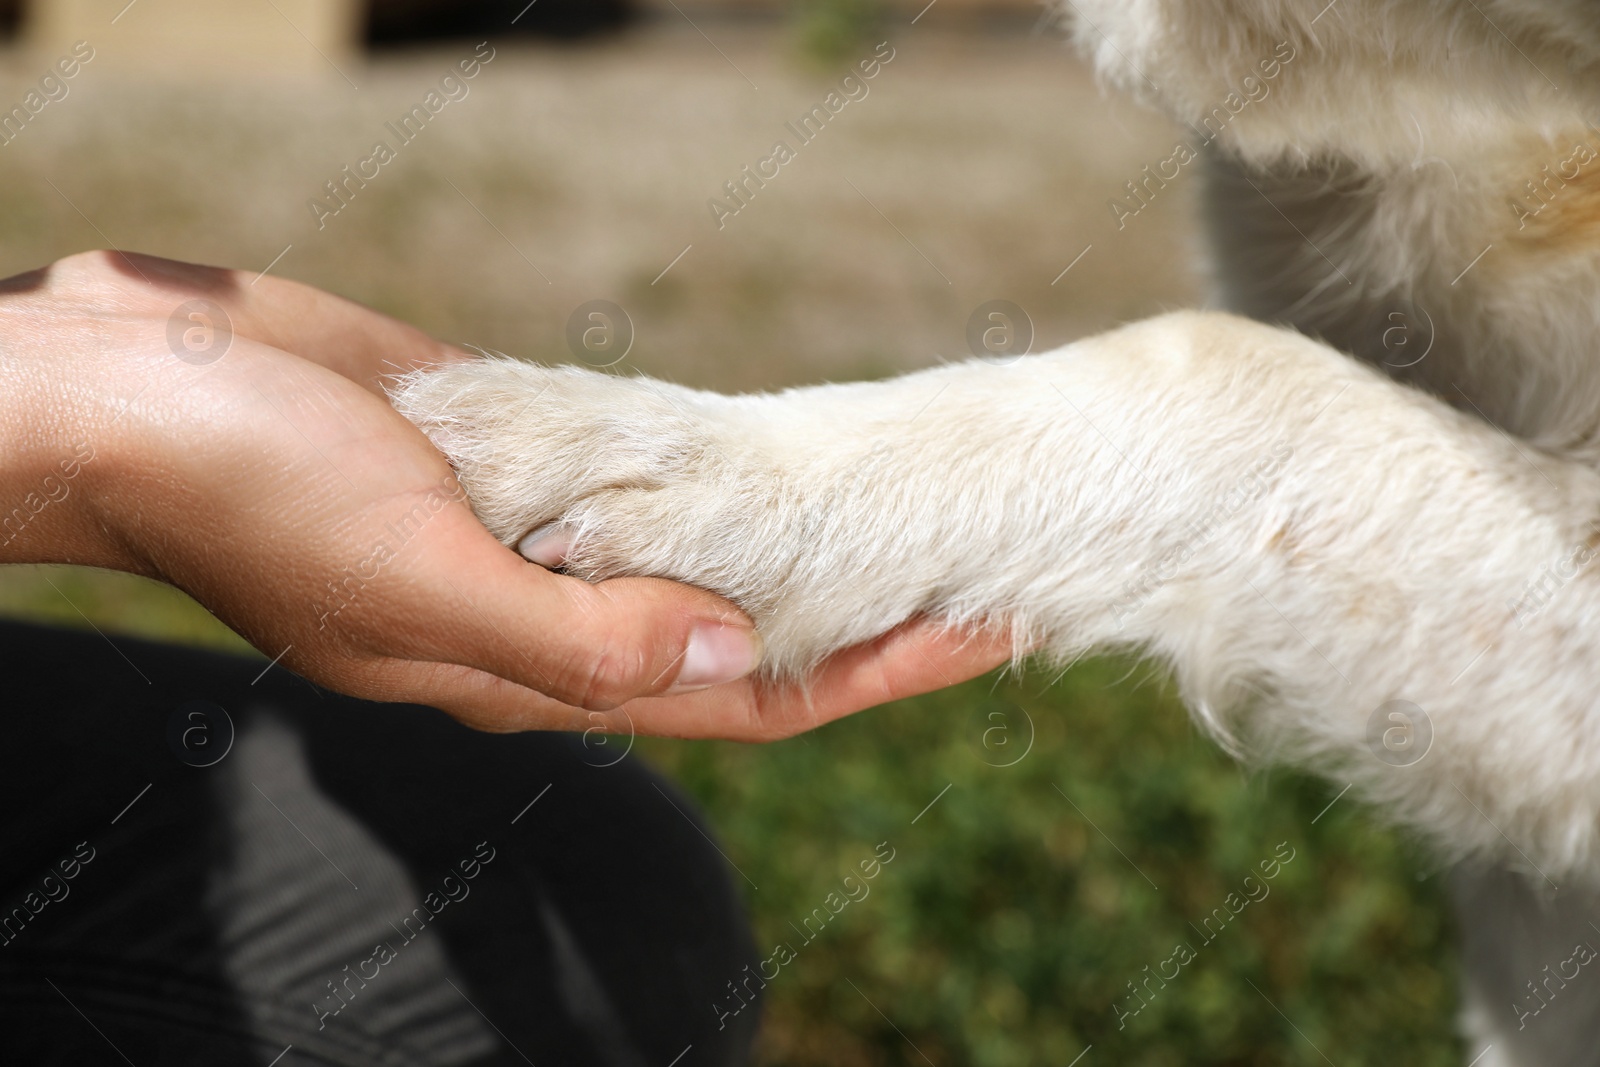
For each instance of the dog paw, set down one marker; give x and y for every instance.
(555, 451)
(608, 476)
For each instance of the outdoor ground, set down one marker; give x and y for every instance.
(1082, 828)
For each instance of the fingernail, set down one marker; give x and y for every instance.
(717, 653)
(547, 546)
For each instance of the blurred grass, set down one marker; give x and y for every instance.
(1012, 917)
(1020, 905)
(84, 598)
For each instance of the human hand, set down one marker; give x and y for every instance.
(248, 456)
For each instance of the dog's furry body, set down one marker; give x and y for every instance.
(1302, 538)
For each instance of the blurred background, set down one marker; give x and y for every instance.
(1055, 835)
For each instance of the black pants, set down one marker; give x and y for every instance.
(198, 868)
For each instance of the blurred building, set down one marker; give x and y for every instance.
(293, 34)
(185, 35)
(194, 30)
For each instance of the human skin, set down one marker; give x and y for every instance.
(258, 480)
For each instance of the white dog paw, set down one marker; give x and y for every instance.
(555, 449)
(607, 476)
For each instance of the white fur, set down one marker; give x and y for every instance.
(1301, 538)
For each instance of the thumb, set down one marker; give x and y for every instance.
(592, 646)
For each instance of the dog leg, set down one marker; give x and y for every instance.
(1303, 541)
(1532, 962)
